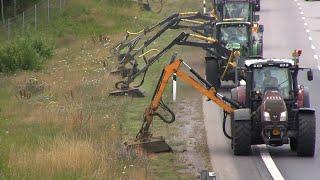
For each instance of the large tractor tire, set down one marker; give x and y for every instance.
(241, 137)
(212, 73)
(306, 104)
(306, 137)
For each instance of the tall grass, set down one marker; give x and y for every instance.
(71, 129)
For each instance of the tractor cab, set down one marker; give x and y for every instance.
(230, 9)
(271, 74)
(243, 33)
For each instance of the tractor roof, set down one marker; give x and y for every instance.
(270, 62)
(234, 21)
(226, 1)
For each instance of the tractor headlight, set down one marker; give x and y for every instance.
(283, 116)
(266, 116)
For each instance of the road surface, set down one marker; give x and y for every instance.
(289, 25)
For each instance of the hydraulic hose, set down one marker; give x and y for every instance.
(224, 125)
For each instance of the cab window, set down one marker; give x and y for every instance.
(272, 77)
(236, 10)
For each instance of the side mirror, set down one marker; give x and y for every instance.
(261, 28)
(310, 75)
(256, 18)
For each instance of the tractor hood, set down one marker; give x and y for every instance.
(273, 107)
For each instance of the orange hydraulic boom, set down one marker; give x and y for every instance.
(144, 137)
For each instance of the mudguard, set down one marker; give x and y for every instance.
(242, 114)
(306, 110)
(238, 94)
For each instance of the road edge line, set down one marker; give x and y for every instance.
(268, 161)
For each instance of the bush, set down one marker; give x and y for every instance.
(24, 54)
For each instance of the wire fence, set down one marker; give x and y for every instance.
(31, 20)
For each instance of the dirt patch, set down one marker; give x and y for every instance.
(190, 137)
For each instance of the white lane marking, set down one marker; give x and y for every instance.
(313, 47)
(303, 18)
(310, 38)
(298, 4)
(301, 12)
(307, 30)
(319, 67)
(268, 161)
(316, 56)
(306, 24)
(300, 8)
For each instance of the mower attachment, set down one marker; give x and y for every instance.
(133, 92)
(150, 145)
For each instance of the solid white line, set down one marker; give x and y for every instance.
(313, 47)
(271, 166)
(310, 38)
(319, 67)
(316, 56)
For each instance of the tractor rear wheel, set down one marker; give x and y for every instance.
(212, 73)
(306, 135)
(241, 137)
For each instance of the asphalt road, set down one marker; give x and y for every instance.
(289, 25)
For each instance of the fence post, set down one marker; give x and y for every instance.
(23, 25)
(35, 17)
(48, 12)
(60, 5)
(8, 29)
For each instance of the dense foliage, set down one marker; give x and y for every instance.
(24, 54)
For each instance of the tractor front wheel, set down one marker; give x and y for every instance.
(212, 73)
(241, 137)
(306, 137)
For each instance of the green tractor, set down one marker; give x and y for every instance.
(226, 9)
(244, 36)
(238, 26)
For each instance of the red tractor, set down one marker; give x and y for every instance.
(275, 109)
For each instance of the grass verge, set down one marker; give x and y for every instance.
(59, 123)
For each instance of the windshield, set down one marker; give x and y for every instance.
(234, 34)
(272, 77)
(236, 10)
